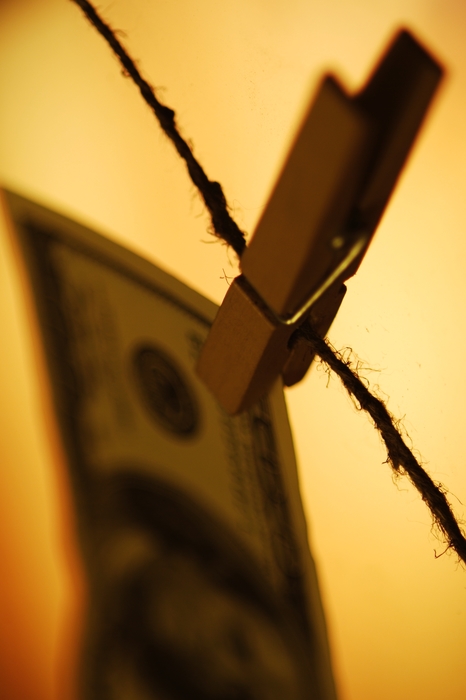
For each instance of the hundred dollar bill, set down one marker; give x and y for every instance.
(190, 521)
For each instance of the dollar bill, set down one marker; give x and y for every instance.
(190, 521)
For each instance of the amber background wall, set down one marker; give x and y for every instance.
(75, 135)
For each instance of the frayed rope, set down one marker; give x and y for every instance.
(400, 456)
(223, 225)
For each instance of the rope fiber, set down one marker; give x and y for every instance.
(223, 225)
(400, 457)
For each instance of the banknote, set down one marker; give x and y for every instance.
(191, 525)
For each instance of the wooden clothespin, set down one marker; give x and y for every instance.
(317, 224)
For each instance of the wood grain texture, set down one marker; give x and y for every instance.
(245, 350)
(292, 249)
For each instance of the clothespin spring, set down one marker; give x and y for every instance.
(299, 315)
